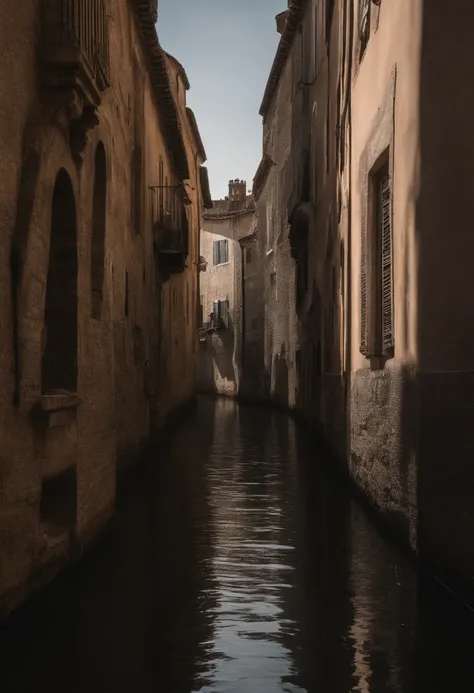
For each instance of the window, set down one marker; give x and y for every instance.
(364, 25)
(98, 232)
(270, 228)
(59, 362)
(377, 334)
(220, 252)
(221, 313)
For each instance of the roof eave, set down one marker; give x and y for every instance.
(295, 13)
(196, 133)
(181, 70)
(205, 188)
(261, 176)
(162, 88)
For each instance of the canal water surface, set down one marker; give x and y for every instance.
(238, 565)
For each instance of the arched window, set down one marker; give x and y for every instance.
(59, 362)
(99, 218)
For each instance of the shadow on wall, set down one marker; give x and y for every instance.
(445, 477)
(280, 369)
(216, 362)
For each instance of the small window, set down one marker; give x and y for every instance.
(377, 325)
(248, 255)
(364, 25)
(271, 230)
(220, 252)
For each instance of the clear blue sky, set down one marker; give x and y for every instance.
(227, 49)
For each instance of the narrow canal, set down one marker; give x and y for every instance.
(238, 565)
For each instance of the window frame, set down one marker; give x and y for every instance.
(377, 266)
(217, 252)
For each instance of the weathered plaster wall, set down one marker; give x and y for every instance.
(281, 327)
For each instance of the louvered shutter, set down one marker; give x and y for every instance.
(214, 253)
(387, 284)
(226, 313)
(363, 287)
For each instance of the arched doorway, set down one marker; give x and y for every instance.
(99, 217)
(59, 362)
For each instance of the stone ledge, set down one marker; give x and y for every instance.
(58, 401)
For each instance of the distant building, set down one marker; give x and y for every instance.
(231, 299)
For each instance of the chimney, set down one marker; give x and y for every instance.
(237, 190)
(281, 21)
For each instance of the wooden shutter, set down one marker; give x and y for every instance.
(225, 251)
(214, 252)
(386, 256)
(224, 311)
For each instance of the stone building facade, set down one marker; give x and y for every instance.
(376, 341)
(99, 268)
(230, 361)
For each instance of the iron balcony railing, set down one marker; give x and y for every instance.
(80, 24)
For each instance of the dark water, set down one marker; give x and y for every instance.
(238, 566)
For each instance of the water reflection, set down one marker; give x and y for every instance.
(238, 566)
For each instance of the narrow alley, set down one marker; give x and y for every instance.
(237, 565)
(236, 346)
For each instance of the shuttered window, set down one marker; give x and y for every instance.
(220, 252)
(221, 313)
(376, 271)
(364, 342)
(386, 260)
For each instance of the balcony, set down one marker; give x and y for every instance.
(75, 48)
(170, 230)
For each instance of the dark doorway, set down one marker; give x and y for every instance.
(99, 217)
(59, 363)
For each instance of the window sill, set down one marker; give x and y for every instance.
(222, 264)
(57, 401)
(377, 361)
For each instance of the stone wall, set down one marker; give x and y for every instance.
(61, 447)
(281, 337)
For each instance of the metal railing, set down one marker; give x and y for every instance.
(84, 23)
(171, 223)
